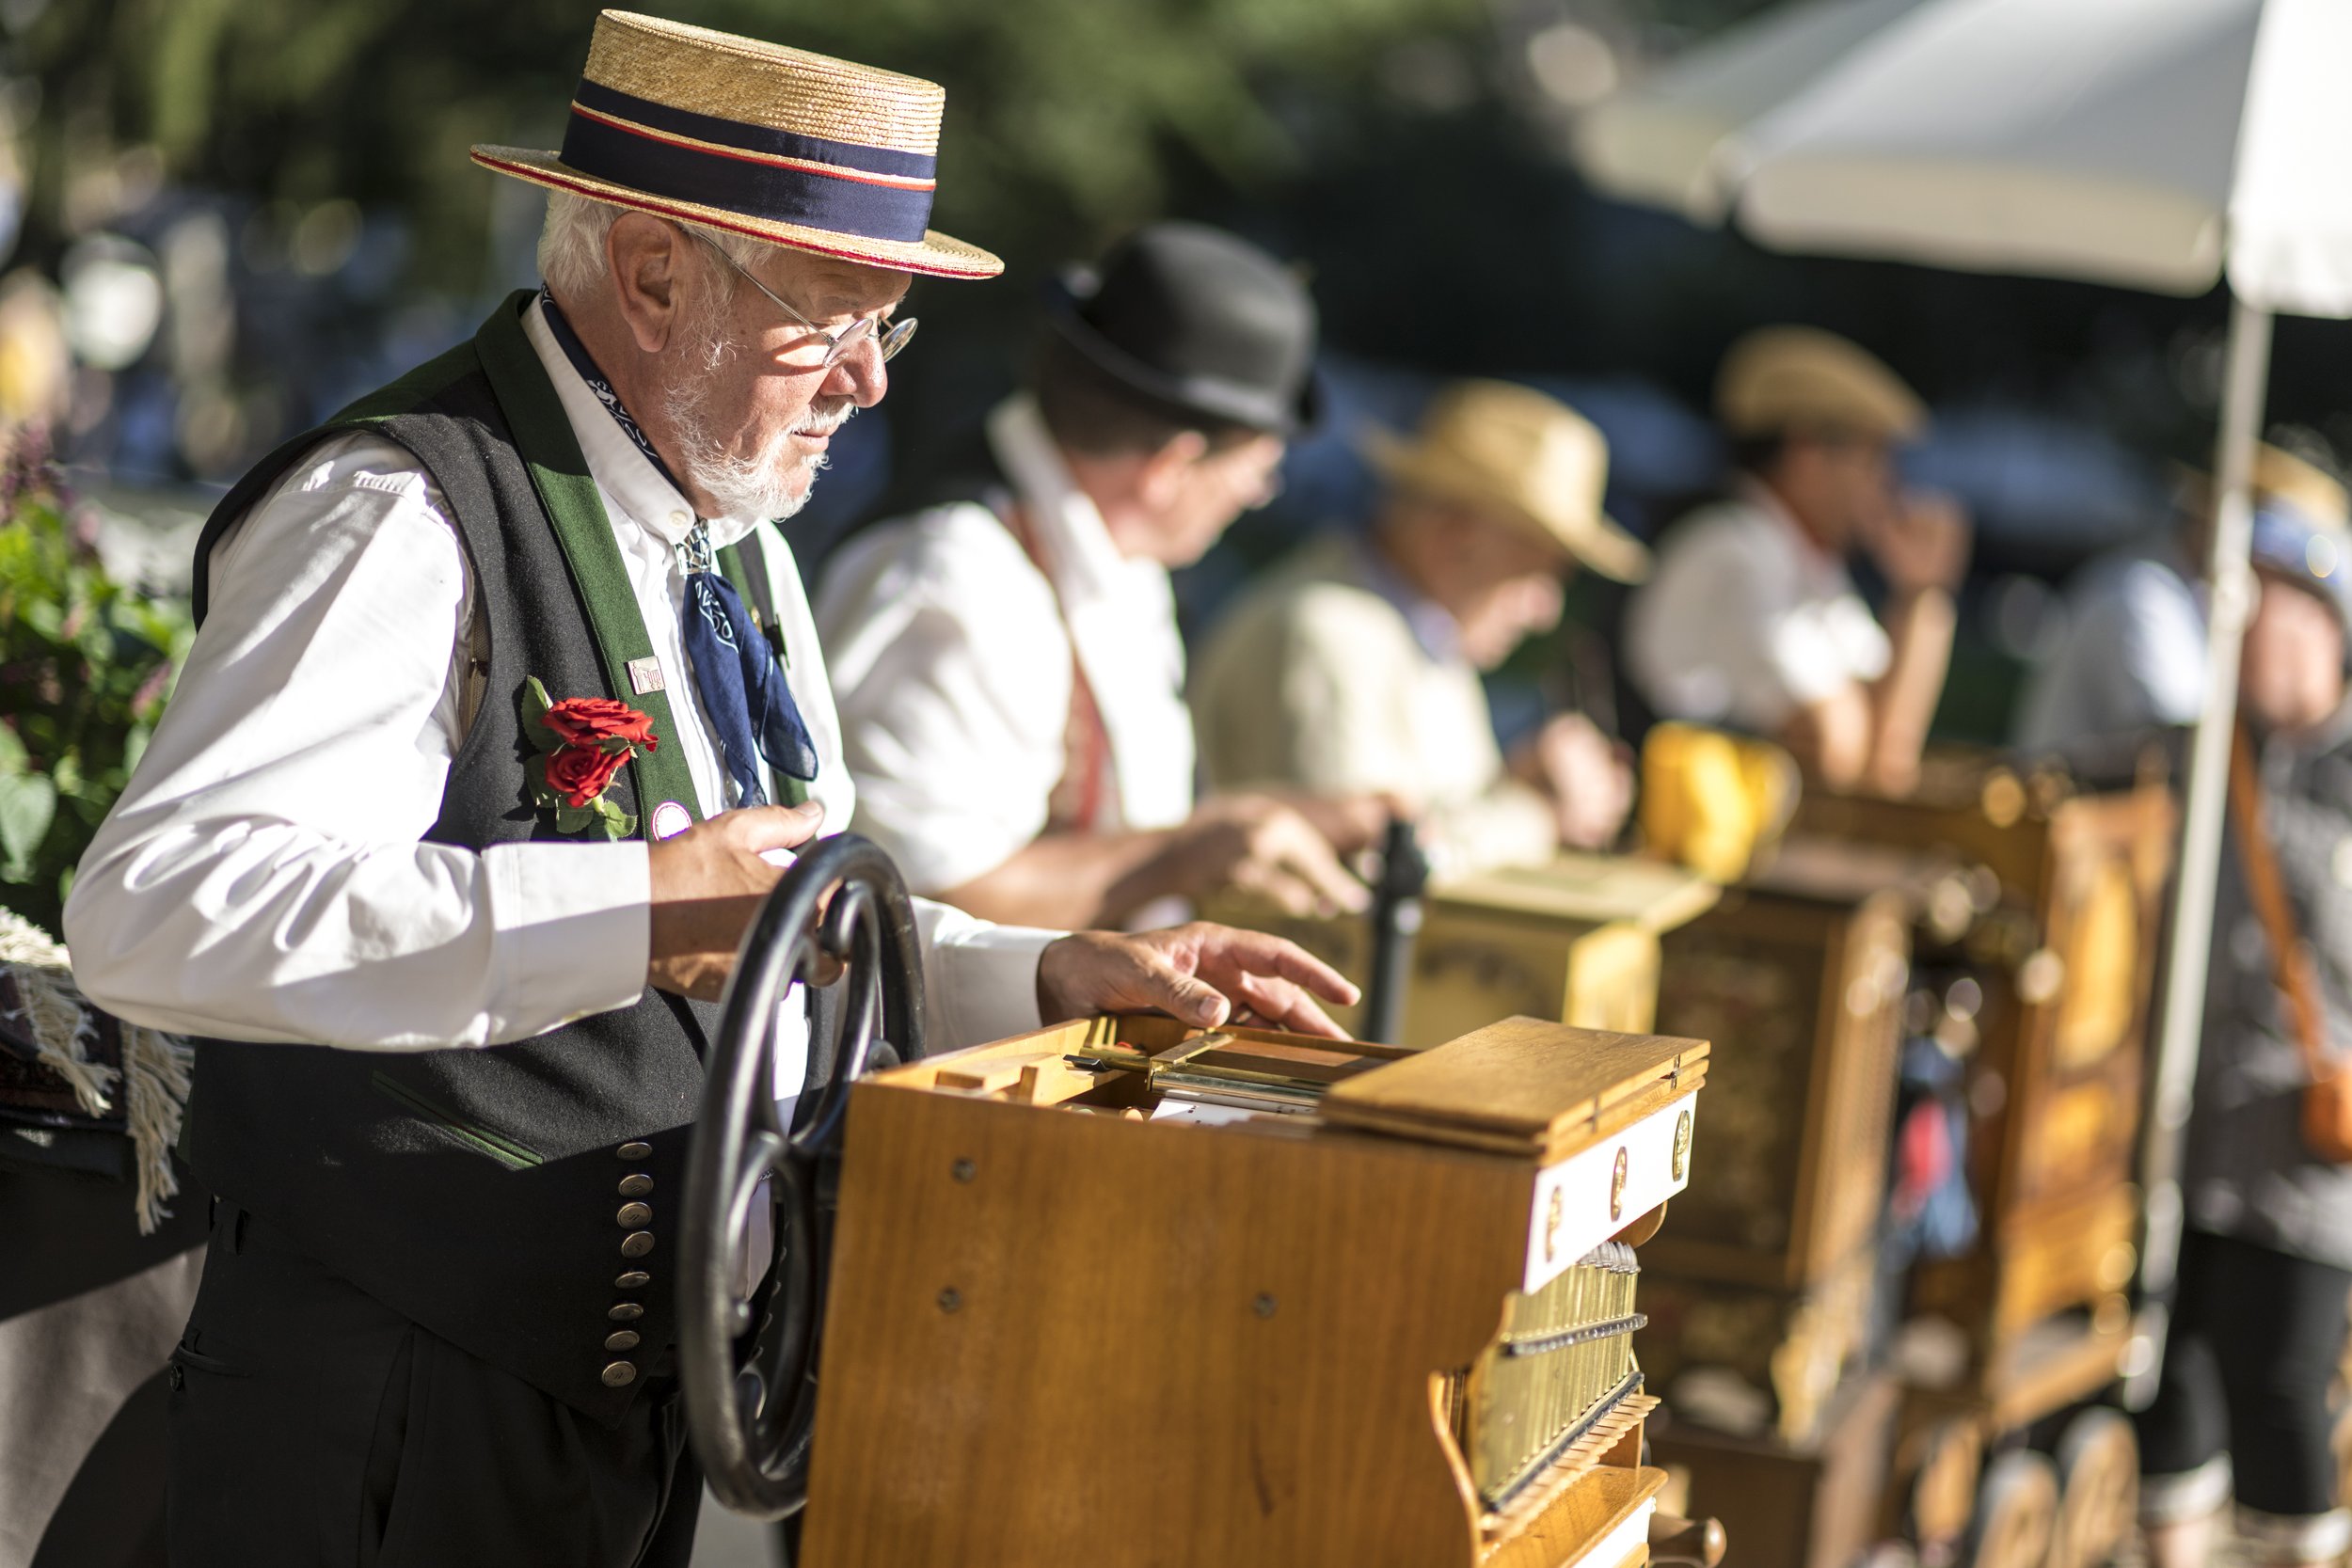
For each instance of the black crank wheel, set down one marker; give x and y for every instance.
(840, 924)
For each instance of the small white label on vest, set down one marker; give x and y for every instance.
(645, 675)
(671, 819)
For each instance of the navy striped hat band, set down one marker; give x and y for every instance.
(782, 176)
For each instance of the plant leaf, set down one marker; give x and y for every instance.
(535, 705)
(28, 803)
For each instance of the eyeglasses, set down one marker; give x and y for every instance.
(839, 345)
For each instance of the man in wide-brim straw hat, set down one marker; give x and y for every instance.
(485, 741)
(1359, 667)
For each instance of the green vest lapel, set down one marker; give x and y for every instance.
(560, 473)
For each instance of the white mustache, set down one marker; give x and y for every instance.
(825, 424)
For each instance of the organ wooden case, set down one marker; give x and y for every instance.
(1770, 1271)
(1574, 940)
(1123, 1293)
(2063, 944)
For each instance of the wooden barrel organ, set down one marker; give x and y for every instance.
(1121, 1292)
(2017, 919)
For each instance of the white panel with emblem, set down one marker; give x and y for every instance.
(1591, 1196)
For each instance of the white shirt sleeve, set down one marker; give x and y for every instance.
(262, 877)
(952, 673)
(980, 978)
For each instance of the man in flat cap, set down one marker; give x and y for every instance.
(1003, 639)
(1356, 667)
(504, 709)
(1750, 621)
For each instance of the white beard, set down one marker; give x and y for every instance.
(773, 482)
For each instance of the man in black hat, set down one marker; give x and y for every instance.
(1004, 645)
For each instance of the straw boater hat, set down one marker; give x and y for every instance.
(793, 148)
(1797, 380)
(1523, 455)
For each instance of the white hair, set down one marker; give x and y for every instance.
(769, 480)
(571, 243)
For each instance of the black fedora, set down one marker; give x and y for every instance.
(1199, 319)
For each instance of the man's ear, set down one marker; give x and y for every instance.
(1164, 472)
(644, 258)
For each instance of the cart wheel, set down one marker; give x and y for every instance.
(1949, 1463)
(2098, 1467)
(2015, 1512)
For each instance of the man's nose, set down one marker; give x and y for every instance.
(859, 374)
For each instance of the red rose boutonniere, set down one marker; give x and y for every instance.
(583, 742)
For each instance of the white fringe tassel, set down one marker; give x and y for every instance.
(155, 1063)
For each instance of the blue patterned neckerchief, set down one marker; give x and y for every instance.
(736, 673)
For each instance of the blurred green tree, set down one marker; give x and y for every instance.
(1061, 113)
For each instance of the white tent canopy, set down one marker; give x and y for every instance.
(2167, 145)
(2146, 143)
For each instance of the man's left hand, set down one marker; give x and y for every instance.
(1202, 974)
(1921, 545)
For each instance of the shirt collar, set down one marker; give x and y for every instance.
(1078, 545)
(1433, 625)
(627, 478)
(1762, 496)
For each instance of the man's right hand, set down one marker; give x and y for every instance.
(1259, 845)
(707, 884)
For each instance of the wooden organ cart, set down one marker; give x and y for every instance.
(1126, 1291)
(2062, 954)
(1764, 1302)
(2017, 920)
(1575, 940)
(1121, 1292)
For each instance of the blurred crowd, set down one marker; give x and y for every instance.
(1069, 700)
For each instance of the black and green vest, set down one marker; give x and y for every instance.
(492, 1195)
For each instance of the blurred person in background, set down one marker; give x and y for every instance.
(2133, 657)
(1356, 667)
(1751, 621)
(1006, 652)
(2243, 1402)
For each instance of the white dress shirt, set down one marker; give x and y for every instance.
(952, 652)
(1745, 619)
(262, 877)
(2133, 657)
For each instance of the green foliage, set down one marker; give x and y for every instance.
(86, 664)
(1062, 114)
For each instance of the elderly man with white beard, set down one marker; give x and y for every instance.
(504, 708)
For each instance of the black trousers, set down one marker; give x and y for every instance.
(2253, 1347)
(312, 1427)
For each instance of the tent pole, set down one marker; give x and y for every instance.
(2231, 581)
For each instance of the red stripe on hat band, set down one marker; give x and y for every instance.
(831, 171)
(643, 203)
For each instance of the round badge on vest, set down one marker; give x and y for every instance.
(671, 819)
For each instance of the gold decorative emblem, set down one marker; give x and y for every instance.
(1551, 1224)
(1682, 1144)
(1617, 1186)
